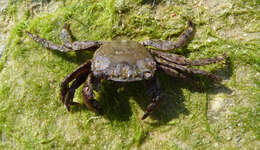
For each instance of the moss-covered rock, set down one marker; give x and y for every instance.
(197, 115)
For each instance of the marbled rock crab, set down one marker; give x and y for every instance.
(124, 61)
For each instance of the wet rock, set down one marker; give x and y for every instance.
(2, 47)
(218, 108)
(3, 5)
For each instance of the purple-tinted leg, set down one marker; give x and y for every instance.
(169, 45)
(173, 73)
(68, 45)
(155, 98)
(186, 69)
(91, 84)
(66, 92)
(181, 60)
(68, 99)
(48, 44)
(66, 37)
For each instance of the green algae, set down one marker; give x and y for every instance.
(190, 117)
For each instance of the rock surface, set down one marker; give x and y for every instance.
(3, 36)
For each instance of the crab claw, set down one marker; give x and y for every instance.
(68, 99)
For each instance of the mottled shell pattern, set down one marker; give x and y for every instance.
(123, 61)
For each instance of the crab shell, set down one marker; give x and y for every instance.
(123, 61)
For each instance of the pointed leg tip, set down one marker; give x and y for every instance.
(68, 108)
(28, 33)
(62, 98)
(190, 24)
(145, 116)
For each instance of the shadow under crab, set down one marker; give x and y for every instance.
(124, 61)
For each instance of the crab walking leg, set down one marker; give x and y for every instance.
(66, 47)
(68, 99)
(66, 36)
(186, 69)
(173, 73)
(88, 94)
(48, 44)
(169, 45)
(181, 60)
(66, 93)
(155, 98)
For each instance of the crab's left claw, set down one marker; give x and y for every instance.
(79, 76)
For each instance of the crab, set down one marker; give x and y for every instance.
(125, 61)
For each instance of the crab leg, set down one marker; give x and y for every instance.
(181, 60)
(66, 92)
(68, 45)
(169, 45)
(186, 69)
(173, 73)
(48, 44)
(66, 35)
(88, 94)
(68, 100)
(155, 98)
(67, 39)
